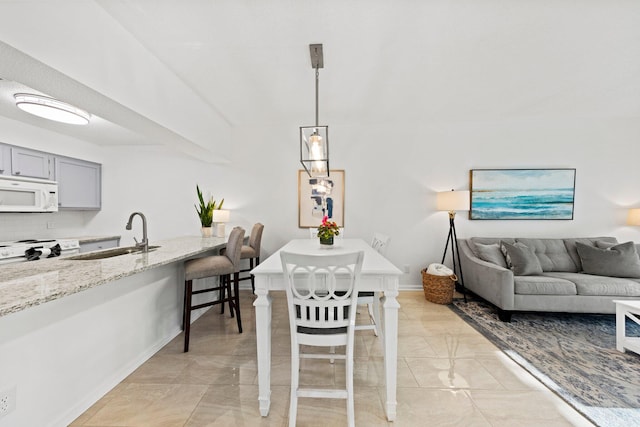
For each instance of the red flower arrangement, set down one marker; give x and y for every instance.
(328, 229)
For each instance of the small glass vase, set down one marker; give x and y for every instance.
(206, 231)
(328, 241)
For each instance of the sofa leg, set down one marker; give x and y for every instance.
(504, 315)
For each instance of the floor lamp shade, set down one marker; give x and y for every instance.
(633, 218)
(453, 201)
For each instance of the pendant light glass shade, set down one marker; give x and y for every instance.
(314, 150)
(51, 109)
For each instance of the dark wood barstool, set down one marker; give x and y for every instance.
(223, 266)
(252, 253)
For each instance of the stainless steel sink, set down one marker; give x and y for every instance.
(109, 253)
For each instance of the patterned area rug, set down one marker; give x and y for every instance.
(572, 354)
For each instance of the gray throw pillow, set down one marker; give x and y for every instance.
(606, 245)
(506, 256)
(617, 261)
(523, 259)
(491, 253)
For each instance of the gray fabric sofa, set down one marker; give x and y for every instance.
(549, 275)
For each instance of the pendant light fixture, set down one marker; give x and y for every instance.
(51, 109)
(314, 140)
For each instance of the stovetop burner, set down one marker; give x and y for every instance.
(15, 251)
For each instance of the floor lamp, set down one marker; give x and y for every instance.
(633, 218)
(452, 201)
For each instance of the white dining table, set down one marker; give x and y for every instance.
(378, 274)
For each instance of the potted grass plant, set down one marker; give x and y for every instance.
(205, 212)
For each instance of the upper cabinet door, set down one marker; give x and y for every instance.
(79, 184)
(30, 163)
(5, 160)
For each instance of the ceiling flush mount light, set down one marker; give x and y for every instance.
(52, 109)
(314, 140)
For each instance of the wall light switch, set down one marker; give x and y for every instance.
(51, 224)
(406, 269)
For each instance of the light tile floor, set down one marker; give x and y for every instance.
(448, 375)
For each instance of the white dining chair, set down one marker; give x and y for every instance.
(322, 300)
(379, 242)
(372, 299)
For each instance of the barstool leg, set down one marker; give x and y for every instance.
(236, 288)
(253, 282)
(222, 290)
(188, 287)
(229, 295)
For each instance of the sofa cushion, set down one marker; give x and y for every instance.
(618, 261)
(491, 253)
(573, 252)
(521, 259)
(543, 285)
(592, 285)
(552, 254)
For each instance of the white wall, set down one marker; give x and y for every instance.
(392, 174)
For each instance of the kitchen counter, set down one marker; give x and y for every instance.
(27, 284)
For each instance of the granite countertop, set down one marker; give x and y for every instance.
(27, 284)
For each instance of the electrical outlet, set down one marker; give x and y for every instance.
(51, 224)
(8, 400)
(406, 268)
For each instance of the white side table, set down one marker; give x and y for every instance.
(624, 309)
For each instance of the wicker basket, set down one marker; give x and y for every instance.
(438, 289)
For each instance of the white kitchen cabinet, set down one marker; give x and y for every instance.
(79, 184)
(5, 159)
(30, 163)
(100, 244)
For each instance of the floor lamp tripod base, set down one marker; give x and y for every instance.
(452, 239)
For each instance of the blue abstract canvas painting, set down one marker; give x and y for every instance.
(522, 193)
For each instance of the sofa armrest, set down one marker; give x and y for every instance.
(487, 280)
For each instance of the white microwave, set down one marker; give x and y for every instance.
(19, 194)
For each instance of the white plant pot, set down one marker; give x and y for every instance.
(206, 231)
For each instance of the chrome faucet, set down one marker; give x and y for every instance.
(144, 244)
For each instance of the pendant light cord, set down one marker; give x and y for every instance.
(317, 84)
